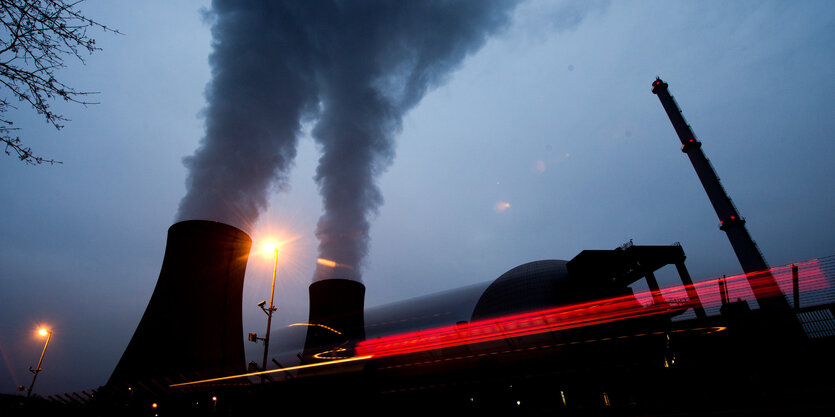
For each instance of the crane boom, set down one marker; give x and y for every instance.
(766, 291)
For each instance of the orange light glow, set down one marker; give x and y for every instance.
(502, 206)
(272, 242)
(332, 264)
(326, 262)
(269, 247)
(43, 331)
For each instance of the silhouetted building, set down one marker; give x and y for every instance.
(192, 325)
(336, 319)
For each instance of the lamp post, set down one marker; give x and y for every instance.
(269, 312)
(48, 334)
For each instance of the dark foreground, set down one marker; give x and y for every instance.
(739, 363)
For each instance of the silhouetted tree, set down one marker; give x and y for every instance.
(35, 38)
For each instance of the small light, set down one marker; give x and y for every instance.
(214, 399)
(733, 217)
(154, 405)
(42, 331)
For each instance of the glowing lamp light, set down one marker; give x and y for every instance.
(269, 247)
(43, 331)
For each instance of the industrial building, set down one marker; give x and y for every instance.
(546, 337)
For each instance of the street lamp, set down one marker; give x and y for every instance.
(269, 312)
(43, 332)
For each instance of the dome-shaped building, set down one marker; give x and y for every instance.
(530, 286)
(591, 275)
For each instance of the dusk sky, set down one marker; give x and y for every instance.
(544, 142)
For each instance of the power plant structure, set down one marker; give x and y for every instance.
(192, 326)
(337, 308)
(567, 337)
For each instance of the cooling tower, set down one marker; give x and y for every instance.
(192, 325)
(336, 319)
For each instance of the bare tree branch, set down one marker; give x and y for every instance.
(35, 38)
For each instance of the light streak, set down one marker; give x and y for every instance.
(517, 325)
(321, 355)
(703, 330)
(271, 371)
(583, 314)
(315, 325)
(567, 317)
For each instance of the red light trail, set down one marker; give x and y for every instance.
(812, 276)
(591, 313)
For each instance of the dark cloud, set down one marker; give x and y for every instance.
(356, 67)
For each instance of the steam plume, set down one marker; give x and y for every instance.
(356, 67)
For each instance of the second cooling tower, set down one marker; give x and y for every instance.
(192, 326)
(336, 319)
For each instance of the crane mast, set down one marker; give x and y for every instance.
(763, 285)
